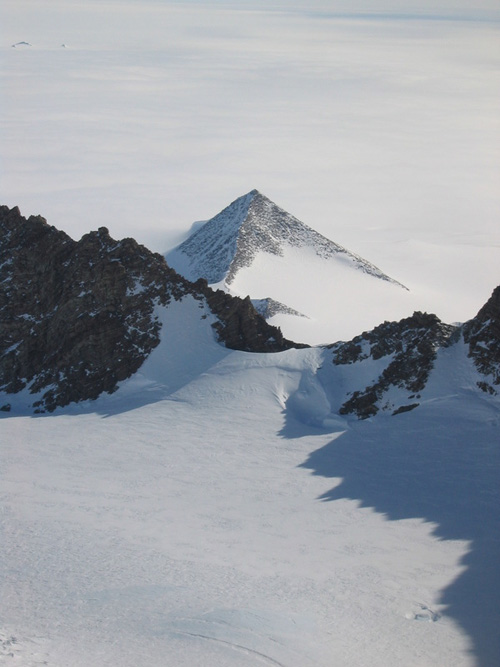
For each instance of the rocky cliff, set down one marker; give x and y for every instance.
(482, 334)
(78, 317)
(407, 351)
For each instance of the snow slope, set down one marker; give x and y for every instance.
(177, 522)
(254, 247)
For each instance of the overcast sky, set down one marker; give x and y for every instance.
(370, 121)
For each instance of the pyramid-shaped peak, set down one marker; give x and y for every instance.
(257, 195)
(230, 240)
(251, 199)
(252, 224)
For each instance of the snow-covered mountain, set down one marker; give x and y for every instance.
(79, 317)
(250, 225)
(320, 291)
(166, 507)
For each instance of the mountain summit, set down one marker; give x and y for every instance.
(314, 289)
(231, 241)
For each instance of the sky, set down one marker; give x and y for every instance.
(376, 123)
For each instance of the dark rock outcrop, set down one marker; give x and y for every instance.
(408, 350)
(239, 324)
(269, 307)
(78, 317)
(409, 347)
(483, 337)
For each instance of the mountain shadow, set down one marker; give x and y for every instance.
(442, 465)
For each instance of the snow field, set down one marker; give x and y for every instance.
(130, 540)
(186, 530)
(337, 300)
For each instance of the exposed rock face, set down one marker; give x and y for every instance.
(408, 350)
(78, 317)
(239, 324)
(409, 347)
(231, 240)
(483, 336)
(269, 307)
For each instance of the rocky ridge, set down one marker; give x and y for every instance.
(76, 318)
(482, 334)
(408, 349)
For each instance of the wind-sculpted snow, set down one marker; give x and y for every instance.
(252, 224)
(177, 516)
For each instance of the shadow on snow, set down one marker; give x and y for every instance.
(417, 465)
